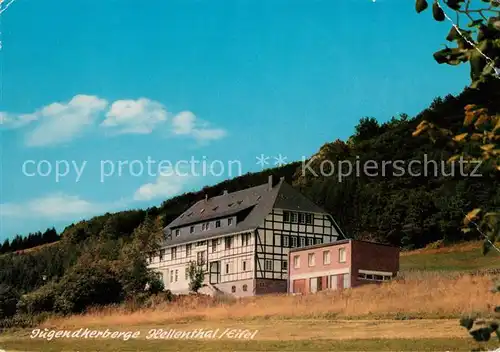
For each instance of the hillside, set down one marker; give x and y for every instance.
(103, 260)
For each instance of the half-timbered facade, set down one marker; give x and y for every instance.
(242, 239)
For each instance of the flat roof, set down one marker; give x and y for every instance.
(331, 244)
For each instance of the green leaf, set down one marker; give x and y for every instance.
(486, 247)
(475, 23)
(421, 5)
(437, 12)
(453, 34)
(453, 4)
(483, 334)
(467, 323)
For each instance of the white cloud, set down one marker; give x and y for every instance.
(167, 185)
(58, 122)
(62, 122)
(58, 206)
(139, 116)
(12, 121)
(186, 123)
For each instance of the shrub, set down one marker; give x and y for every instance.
(8, 300)
(41, 300)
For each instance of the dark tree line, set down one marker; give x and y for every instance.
(31, 240)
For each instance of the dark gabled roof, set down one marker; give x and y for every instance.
(254, 202)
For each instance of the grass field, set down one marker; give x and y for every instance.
(417, 312)
(462, 257)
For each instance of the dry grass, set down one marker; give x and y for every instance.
(460, 247)
(417, 295)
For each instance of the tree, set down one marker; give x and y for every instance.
(479, 45)
(196, 274)
(9, 297)
(484, 135)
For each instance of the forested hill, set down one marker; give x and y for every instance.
(103, 260)
(408, 211)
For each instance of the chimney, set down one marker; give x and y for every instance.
(225, 192)
(270, 182)
(206, 197)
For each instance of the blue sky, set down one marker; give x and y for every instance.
(108, 81)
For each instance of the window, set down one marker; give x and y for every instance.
(284, 265)
(326, 257)
(227, 268)
(245, 288)
(191, 229)
(286, 216)
(309, 219)
(342, 257)
(188, 250)
(229, 221)
(311, 259)
(186, 273)
(302, 218)
(203, 227)
(162, 254)
(244, 265)
(177, 233)
(296, 261)
(171, 276)
(318, 241)
(245, 239)
(217, 223)
(310, 241)
(294, 242)
(286, 241)
(176, 275)
(228, 242)
(233, 289)
(214, 246)
(173, 253)
(268, 265)
(200, 258)
(302, 241)
(293, 217)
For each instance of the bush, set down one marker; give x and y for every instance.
(88, 285)
(8, 301)
(41, 300)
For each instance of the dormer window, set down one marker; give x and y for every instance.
(191, 229)
(229, 221)
(215, 208)
(177, 233)
(230, 204)
(259, 197)
(202, 210)
(217, 223)
(239, 202)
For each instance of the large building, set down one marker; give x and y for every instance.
(243, 239)
(339, 265)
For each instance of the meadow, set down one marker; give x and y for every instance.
(417, 311)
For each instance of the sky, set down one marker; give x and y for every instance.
(94, 91)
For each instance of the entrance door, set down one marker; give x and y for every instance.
(215, 272)
(313, 285)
